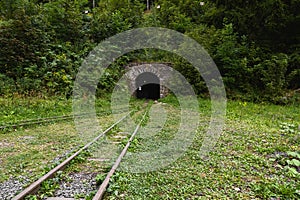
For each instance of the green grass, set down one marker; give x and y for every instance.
(256, 157)
(27, 151)
(250, 160)
(13, 110)
(17, 109)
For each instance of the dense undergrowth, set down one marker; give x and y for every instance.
(254, 44)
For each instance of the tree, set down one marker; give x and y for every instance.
(274, 24)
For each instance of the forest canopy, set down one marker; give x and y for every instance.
(255, 44)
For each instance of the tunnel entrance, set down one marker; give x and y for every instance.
(148, 86)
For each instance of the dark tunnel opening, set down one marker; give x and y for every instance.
(148, 86)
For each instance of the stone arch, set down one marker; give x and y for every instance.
(157, 69)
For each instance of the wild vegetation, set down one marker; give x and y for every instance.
(255, 44)
(255, 157)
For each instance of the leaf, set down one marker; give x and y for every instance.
(293, 170)
(293, 154)
(294, 162)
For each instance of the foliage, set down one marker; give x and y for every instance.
(274, 24)
(246, 69)
(7, 84)
(114, 17)
(65, 19)
(255, 44)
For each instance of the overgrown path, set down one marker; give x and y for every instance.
(257, 155)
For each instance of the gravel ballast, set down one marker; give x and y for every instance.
(9, 188)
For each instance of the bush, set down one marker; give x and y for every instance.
(7, 85)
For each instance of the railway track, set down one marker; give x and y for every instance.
(25, 123)
(34, 187)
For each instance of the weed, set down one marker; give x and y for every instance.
(257, 155)
(287, 128)
(274, 190)
(31, 197)
(91, 195)
(100, 178)
(240, 167)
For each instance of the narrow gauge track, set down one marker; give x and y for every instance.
(30, 122)
(34, 187)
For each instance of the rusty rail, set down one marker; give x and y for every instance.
(34, 186)
(41, 120)
(105, 183)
